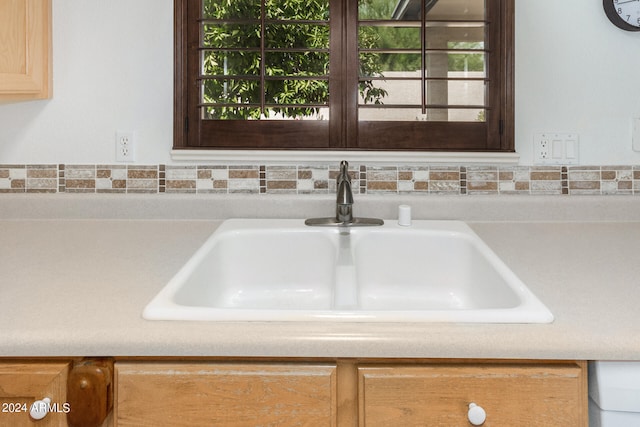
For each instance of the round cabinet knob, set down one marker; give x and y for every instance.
(40, 408)
(476, 414)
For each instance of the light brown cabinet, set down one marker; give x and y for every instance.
(25, 50)
(67, 392)
(293, 392)
(349, 393)
(23, 383)
(221, 394)
(522, 394)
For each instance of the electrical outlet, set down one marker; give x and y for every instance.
(556, 149)
(125, 147)
(541, 146)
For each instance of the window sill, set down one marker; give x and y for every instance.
(369, 157)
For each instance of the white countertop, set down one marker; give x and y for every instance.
(73, 286)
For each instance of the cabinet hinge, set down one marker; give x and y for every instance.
(501, 126)
(186, 124)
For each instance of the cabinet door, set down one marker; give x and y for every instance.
(21, 384)
(25, 49)
(218, 394)
(439, 395)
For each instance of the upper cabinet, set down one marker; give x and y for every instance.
(25, 50)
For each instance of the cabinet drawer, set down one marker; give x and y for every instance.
(238, 394)
(528, 395)
(21, 384)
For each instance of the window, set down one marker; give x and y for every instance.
(344, 74)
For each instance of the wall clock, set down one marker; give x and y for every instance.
(623, 14)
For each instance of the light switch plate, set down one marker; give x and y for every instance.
(553, 148)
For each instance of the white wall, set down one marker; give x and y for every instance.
(112, 71)
(575, 72)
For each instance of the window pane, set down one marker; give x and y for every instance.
(231, 35)
(453, 9)
(236, 9)
(230, 63)
(389, 114)
(378, 9)
(230, 91)
(293, 113)
(449, 65)
(297, 63)
(396, 92)
(297, 36)
(298, 9)
(230, 113)
(470, 62)
(289, 67)
(467, 115)
(465, 92)
(311, 92)
(388, 37)
(373, 64)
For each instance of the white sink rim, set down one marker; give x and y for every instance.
(164, 307)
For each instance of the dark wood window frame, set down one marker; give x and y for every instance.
(343, 131)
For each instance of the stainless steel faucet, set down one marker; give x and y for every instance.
(344, 201)
(344, 205)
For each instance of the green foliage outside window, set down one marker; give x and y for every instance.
(299, 50)
(240, 29)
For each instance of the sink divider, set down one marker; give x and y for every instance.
(345, 287)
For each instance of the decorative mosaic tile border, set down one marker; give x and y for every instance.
(320, 179)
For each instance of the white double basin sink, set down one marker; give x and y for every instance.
(283, 270)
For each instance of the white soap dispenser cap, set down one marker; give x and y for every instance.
(404, 215)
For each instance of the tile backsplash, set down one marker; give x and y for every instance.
(320, 179)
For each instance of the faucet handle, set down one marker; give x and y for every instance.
(344, 171)
(343, 186)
